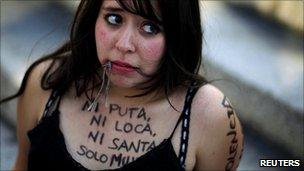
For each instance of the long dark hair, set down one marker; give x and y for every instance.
(78, 57)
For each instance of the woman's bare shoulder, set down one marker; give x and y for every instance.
(210, 103)
(30, 107)
(32, 101)
(218, 128)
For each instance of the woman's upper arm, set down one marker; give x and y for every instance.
(221, 144)
(29, 108)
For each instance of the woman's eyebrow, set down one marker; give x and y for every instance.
(113, 9)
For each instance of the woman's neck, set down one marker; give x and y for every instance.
(121, 93)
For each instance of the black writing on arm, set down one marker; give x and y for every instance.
(232, 133)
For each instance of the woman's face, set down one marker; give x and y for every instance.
(133, 44)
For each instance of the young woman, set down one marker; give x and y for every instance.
(124, 93)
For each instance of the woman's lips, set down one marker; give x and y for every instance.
(122, 67)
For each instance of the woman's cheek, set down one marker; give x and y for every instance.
(153, 51)
(101, 36)
(102, 42)
(151, 54)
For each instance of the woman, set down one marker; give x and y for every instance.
(124, 93)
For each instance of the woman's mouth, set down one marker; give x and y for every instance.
(122, 67)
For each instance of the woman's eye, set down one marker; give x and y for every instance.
(151, 28)
(113, 19)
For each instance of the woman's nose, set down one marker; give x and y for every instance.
(125, 42)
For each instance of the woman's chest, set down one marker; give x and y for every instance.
(114, 136)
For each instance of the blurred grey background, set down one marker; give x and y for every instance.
(255, 48)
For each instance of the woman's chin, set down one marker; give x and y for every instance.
(124, 83)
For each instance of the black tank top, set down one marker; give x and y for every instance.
(48, 149)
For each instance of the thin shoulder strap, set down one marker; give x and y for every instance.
(52, 104)
(187, 103)
(185, 126)
(185, 117)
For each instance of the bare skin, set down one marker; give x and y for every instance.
(211, 147)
